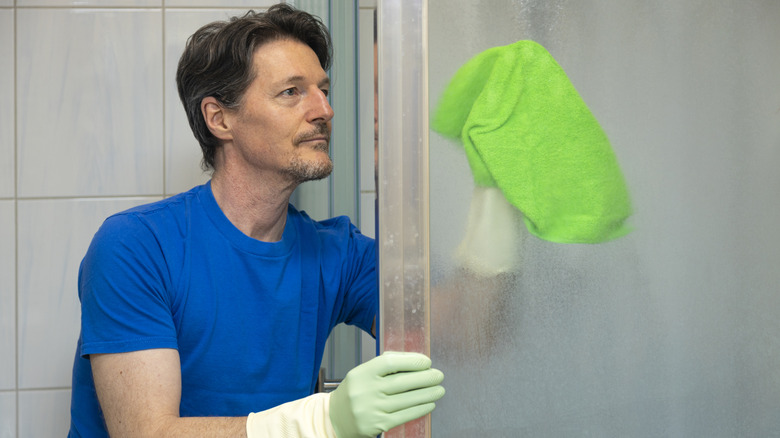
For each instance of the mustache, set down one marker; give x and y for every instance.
(320, 131)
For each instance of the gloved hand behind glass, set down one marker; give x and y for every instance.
(383, 393)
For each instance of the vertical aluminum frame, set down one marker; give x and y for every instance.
(403, 207)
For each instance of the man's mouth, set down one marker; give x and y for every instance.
(325, 139)
(316, 143)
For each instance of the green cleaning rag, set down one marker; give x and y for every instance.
(526, 130)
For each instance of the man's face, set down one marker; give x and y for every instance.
(283, 122)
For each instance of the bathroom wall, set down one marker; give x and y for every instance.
(90, 124)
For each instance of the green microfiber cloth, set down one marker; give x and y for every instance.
(526, 130)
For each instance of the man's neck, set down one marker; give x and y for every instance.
(255, 206)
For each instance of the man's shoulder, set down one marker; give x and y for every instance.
(165, 216)
(162, 207)
(334, 234)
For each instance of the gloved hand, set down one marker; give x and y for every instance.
(383, 393)
(492, 244)
(527, 131)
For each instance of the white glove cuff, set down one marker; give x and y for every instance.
(493, 238)
(304, 418)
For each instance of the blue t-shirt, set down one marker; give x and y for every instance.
(248, 318)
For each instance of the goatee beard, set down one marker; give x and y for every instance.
(311, 170)
(303, 171)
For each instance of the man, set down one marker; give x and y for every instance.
(206, 314)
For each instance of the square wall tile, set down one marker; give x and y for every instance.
(8, 414)
(53, 238)
(7, 296)
(44, 413)
(7, 95)
(182, 151)
(4, 3)
(90, 111)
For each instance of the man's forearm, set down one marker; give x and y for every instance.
(140, 393)
(217, 427)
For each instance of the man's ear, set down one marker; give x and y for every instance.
(215, 116)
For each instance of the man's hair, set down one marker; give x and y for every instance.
(217, 61)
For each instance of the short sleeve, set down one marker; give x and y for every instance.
(123, 288)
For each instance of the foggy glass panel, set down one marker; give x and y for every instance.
(674, 329)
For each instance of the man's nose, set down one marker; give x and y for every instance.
(320, 109)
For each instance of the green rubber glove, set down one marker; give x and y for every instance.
(383, 393)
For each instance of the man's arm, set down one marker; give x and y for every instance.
(140, 392)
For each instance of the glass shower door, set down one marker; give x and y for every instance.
(671, 330)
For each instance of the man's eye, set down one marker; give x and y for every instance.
(325, 91)
(289, 92)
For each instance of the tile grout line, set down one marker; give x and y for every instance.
(16, 220)
(42, 389)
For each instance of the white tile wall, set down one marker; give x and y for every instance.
(89, 105)
(44, 413)
(6, 109)
(7, 297)
(96, 127)
(7, 414)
